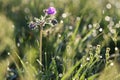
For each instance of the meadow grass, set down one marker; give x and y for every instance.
(84, 45)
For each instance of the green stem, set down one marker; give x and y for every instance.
(40, 49)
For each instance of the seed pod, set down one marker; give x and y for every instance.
(54, 21)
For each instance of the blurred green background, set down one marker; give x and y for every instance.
(82, 26)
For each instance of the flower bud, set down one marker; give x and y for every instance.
(32, 25)
(51, 11)
(54, 21)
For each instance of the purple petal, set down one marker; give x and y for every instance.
(51, 11)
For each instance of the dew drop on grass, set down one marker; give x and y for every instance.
(60, 75)
(100, 29)
(111, 64)
(88, 59)
(8, 53)
(70, 27)
(90, 26)
(61, 21)
(100, 56)
(59, 35)
(18, 44)
(81, 65)
(116, 48)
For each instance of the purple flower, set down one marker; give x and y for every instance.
(51, 11)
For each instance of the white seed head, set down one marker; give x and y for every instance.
(70, 27)
(108, 6)
(78, 18)
(64, 15)
(117, 25)
(107, 18)
(111, 23)
(90, 26)
(60, 75)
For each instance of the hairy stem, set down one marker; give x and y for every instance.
(40, 49)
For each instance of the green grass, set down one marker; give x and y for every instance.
(84, 45)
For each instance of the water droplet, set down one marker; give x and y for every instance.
(18, 44)
(90, 26)
(100, 56)
(81, 65)
(61, 21)
(70, 27)
(88, 59)
(60, 75)
(111, 64)
(8, 53)
(59, 35)
(100, 29)
(116, 48)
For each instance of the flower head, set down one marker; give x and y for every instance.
(51, 11)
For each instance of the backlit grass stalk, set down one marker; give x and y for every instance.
(40, 48)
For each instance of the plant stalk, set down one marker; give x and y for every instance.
(40, 49)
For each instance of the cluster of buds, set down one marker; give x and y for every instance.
(46, 19)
